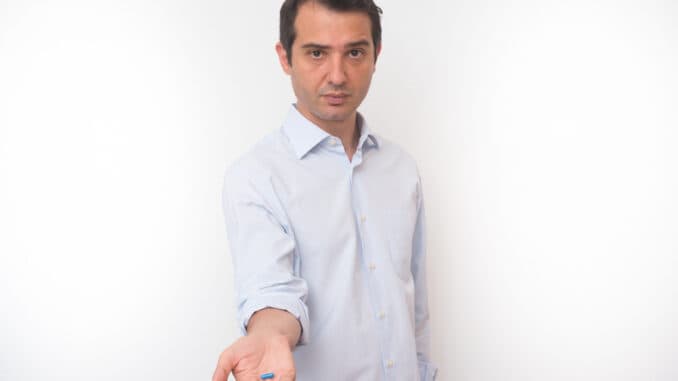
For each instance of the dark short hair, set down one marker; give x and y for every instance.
(289, 9)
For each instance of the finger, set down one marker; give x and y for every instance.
(286, 376)
(219, 375)
(224, 365)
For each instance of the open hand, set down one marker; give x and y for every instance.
(251, 356)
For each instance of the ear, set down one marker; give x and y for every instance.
(282, 57)
(377, 56)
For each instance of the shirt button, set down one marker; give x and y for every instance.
(381, 315)
(363, 218)
(372, 266)
(333, 142)
(390, 363)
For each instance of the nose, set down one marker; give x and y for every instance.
(337, 72)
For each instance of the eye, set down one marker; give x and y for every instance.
(355, 53)
(316, 53)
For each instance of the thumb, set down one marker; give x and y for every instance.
(224, 365)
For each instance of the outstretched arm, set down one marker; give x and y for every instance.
(271, 297)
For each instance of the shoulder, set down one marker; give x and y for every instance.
(396, 157)
(259, 162)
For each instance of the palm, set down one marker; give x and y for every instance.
(253, 356)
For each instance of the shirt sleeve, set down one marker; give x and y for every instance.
(427, 369)
(263, 252)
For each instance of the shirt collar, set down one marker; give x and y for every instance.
(304, 135)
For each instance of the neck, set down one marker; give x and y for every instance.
(346, 130)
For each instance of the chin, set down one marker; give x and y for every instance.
(334, 115)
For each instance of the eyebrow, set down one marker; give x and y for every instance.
(312, 45)
(358, 43)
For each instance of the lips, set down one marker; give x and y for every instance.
(336, 99)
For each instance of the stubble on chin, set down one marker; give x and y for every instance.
(331, 117)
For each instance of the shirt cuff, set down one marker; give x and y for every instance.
(282, 302)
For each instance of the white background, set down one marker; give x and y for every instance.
(545, 131)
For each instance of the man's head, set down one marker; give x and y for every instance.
(329, 48)
(290, 8)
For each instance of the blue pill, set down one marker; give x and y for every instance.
(267, 376)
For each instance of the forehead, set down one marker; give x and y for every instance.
(316, 23)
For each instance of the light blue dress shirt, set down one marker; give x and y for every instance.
(337, 243)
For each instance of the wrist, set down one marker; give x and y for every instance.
(274, 338)
(271, 323)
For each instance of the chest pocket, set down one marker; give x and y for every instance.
(400, 225)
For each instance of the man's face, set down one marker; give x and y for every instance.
(333, 60)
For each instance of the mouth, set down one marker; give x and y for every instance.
(335, 99)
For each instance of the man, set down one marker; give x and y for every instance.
(326, 221)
